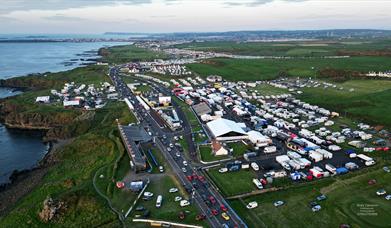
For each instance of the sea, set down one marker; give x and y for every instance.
(21, 150)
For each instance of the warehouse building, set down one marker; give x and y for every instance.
(227, 130)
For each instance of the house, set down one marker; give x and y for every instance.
(43, 99)
(218, 149)
(226, 130)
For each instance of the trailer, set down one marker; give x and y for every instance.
(316, 172)
(294, 164)
(330, 168)
(293, 154)
(368, 160)
(326, 154)
(282, 159)
(315, 156)
(305, 162)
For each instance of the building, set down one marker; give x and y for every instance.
(132, 136)
(201, 109)
(258, 139)
(218, 149)
(227, 130)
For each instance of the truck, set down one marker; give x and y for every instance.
(326, 154)
(330, 168)
(269, 149)
(368, 160)
(315, 156)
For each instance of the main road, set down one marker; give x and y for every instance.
(207, 199)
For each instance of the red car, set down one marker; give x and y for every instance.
(212, 200)
(223, 208)
(201, 178)
(215, 212)
(386, 149)
(190, 178)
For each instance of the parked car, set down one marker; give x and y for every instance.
(212, 200)
(381, 192)
(386, 169)
(184, 203)
(185, 163)
(388, 197)
(321, 197)
(178, 198)
(148, 194)
(200, 217)
(252, 205)
(173, 190)
(214, 212)
(161, 169)
(278, 203)
(223, 208)
(225, 216)
(316, 208)
(223, 170)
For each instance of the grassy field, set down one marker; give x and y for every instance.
(233, 183)
(350, 201)
(268, 90)
(129, 53)
(266, 69)
(368, 102)
(299, 48)
(170, 209)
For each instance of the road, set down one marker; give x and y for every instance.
(206, 198)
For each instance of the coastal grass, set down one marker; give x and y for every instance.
(268, 90)
(350, 200)
(129, 53)
(266, 69)
(233, 183)
(369, 102)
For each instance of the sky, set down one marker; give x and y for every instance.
(157, 16)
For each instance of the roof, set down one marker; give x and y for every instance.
(223, 126)
(256, 135)
(136, 133)
(201, 109)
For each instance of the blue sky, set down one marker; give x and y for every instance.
(98, 16)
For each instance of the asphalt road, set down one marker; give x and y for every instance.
(203, 194)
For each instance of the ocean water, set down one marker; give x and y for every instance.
(20, 150)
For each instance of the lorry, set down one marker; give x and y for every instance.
(368, 160)
(315, 156)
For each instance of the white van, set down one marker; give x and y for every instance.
(270, 149)
(159, 201)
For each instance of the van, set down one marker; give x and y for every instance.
(270, 149)
(159, 201)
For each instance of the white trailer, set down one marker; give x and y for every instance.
(294, 164)
(306, 162)
(368, 160)
(331, 168)
(316, 156)
(282, 159)
(293, 154)
(326, 154)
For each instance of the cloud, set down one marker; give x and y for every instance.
(62, 17)
(252, 3)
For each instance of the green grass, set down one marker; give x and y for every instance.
(239, 148)
(345, 195)
(207, 155)
(368, 103)
(129, 53)
(266, 69)
(233, 183)
(292, 48)
(268, 90)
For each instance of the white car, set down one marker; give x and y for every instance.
(381, 192)
(177, 154)
(178, 198)
(278, 203)
(252, 205)
(148, 194)
(316, 208)
(185, 163)
(223, 170)
(173, 190)
(184, 170)
(184, 203)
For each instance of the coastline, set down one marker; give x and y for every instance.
(24, 181)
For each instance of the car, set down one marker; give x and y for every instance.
(278, 203)
(225, 216)
(173, 190)
(184, 170)
(171, 145)
(372, 182)
(313, 204)
(252, 205)
(224, 225)
(212, 200)
(148, 194)
(223, 170)
(189, 177)
(178, 154)
(200, 217)
(181, 215)
(184, 203)
(161, 169)
(386, 169)
(388, 197)
(223, 208)
(214, 212)
(381, 192)
(316, 208)
(185, 163)
(168, 149)
(140, 208)
(177, 198)
(321, 198)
